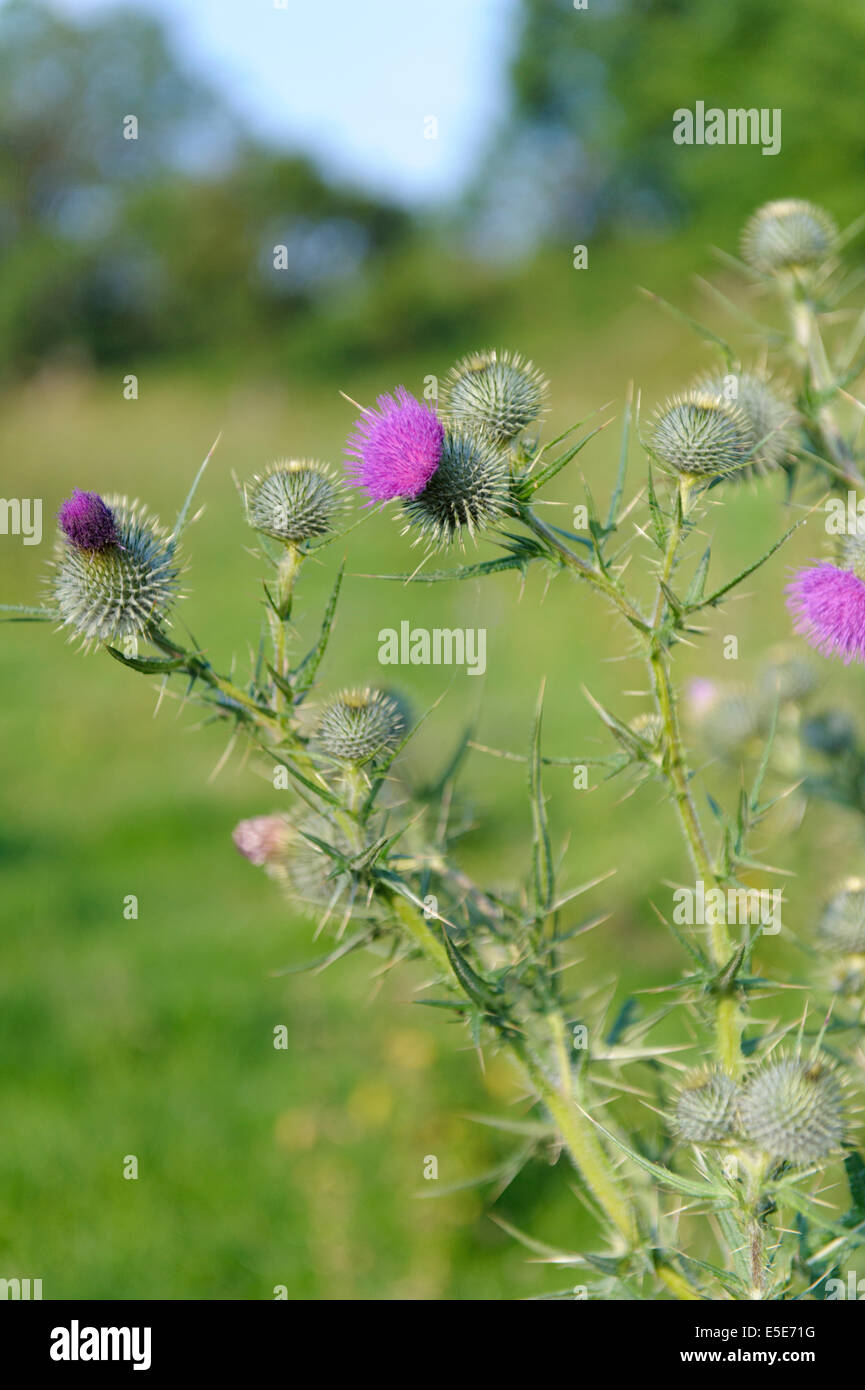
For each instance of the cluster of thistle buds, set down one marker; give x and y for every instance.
(790, 1109)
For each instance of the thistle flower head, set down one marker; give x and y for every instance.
(87, 522)
(468, 492)
(790, 234)
(828, 607)
(358, 726)
(769, 414)
(706, 1107)
(497, 392)
(698, 435)
(841, 928)
(793, 1109)
(263, 840)
(293, 501)
(395, 449)
(127, 583)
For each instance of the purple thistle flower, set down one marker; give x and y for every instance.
(394, 450)
(828, 605)
(87, 522)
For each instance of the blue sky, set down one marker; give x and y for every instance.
(353, 81)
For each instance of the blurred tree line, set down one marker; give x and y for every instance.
(589, 138)
(191, 235)
(112, 247)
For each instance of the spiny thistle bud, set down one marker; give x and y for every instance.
(700, 436)
(358, 726)
(788, 235)
(793, 1110)
(497, 392)
(831, 732)
(787, 677)
(842, 926)
(293, 501)
(648, 726)
(768, 412)
(733, 721)
(467, 493)
(114, 574)
(706, 1107)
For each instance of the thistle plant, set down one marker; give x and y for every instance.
(726, 1166)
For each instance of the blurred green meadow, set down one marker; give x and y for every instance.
(153, 1037)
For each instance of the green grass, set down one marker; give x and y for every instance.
(154, 1037)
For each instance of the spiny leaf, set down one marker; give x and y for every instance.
(856, 1181)
(715, 597)
(619, 486)
(665, 1176)
(538, 480)
(184, 510)
(305, 673)
(150, 665)
(20, 613)
(504, 562)
(478, 989)
(659, 523)
(698, 582)
(544, 886)
(700, 329)
(630, 741)
(319, 963)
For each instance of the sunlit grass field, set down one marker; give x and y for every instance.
(153, 1037)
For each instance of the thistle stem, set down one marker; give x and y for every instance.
(813, 360)
(595, 577)
(675, 767)
(574, 1128)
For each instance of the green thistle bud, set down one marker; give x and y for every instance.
(359, 726)
(788, 677)
(788, 235)
(769, 413)
(733, 722)
(648, 726)
(468, 492)
(699, 436)
(841, 928)
(831, 732)
(706, 1107)
(496, 392)
(113, 594)
(794, 1110)
(293, 501)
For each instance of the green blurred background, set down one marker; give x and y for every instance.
(154, 1037)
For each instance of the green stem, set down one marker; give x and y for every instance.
(675, 767)
(286, 576)
(599, 581)
(574, 1128)
(813, 360)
